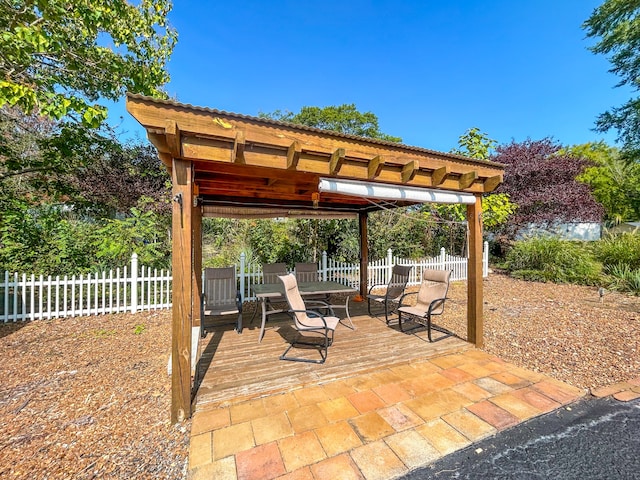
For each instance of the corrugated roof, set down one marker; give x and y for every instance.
(268, 121)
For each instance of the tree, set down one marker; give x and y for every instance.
(342, 119)
(475, 144)
(615, 23)
(614, 182)
(58, 57)
(541, 180)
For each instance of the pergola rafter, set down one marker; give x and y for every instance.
(225, 162)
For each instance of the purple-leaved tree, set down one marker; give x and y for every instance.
(541, 180)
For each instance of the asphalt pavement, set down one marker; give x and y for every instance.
(590, 439)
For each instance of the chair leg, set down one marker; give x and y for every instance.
(323, 350)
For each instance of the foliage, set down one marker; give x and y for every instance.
(623, 278)
(341, 118)
(58, 57)
(541, 180)
(550, 259)
(45, 240)
(614, 182)
(139, 329)
(615, 25)
(141, 232)
(620, 249)
(475, 144)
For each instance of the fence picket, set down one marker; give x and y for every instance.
(145, 289)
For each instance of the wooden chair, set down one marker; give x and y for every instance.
(429, 302)
(221, 296)
(393, 291)
(307, 321)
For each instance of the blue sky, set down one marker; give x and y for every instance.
(428, 69)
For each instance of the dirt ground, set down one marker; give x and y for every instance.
(89, 397)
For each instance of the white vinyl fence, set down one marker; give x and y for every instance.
(136, 288)
(27, 297)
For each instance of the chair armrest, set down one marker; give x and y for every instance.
(435, 304)
(311, 313)
(405, 295)
(376, 286)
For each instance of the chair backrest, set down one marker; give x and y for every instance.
(307, 272)
(435, 284)
(292, 294)
(220, 286)
(271, 272)
(398, 281)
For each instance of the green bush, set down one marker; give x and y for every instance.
(622, 278)
(618, 250)
(549, 259)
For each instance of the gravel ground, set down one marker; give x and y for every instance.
(89, 397)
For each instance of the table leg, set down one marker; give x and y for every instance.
(264, 319)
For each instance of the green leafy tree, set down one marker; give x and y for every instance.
(341, 118)
(614, 182)
(615, 24)
(59, 57)
(475, 144)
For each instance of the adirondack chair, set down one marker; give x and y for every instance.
(221, 296)
(307, 321)
(430, 301)
(392, 293)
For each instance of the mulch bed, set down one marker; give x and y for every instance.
(89, 397)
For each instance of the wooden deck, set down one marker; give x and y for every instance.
(236, 367)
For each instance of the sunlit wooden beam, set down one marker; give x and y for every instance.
(293, 155)
(375, 167)
(439, 175)
(172, 134)
(409, 170)
(337, 158)
(491, 183)
(467, 179)
(237, 155)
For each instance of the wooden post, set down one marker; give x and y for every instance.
(475, 329)
(196, 285)
(364, 255)
(197, 263)
(182, 266)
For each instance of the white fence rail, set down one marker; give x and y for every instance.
(135, 288)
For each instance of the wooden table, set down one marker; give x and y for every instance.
(265, 291)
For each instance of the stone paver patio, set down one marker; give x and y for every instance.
(372, 426)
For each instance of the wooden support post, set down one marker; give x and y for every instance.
(364, 254)
(182, 310)
(475, 328)
(197, 261)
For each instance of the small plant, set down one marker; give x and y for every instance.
(139, 328)
(550, 259)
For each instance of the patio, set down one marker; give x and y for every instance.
(384, 403)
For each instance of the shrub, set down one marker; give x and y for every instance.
(619, 250)
(550, 259)
(622, 278)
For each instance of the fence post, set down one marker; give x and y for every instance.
(134, 282)
(324, 266)
(389, 265)
(443, 258)
(243, 259)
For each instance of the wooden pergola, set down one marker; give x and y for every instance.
(226, 164)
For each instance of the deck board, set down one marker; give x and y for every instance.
(236, 367)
